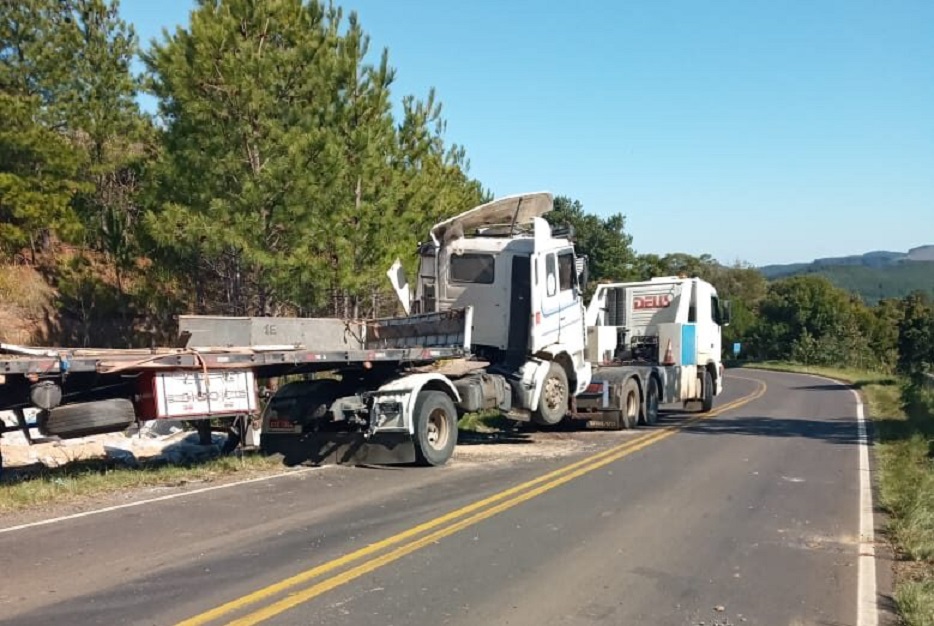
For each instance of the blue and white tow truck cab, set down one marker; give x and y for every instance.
(653, 342)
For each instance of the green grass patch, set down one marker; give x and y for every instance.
(916, 602)
(484, 422)
(89, 479)
(903, 416)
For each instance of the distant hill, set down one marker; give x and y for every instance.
(874, 275)
(921, 253)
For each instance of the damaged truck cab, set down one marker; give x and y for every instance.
(522, 279)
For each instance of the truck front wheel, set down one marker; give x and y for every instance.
(707, 399)
(435, 428)
(553, 403)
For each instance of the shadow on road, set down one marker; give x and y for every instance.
(837, 431)
(890, 382)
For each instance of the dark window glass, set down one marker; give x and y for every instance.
(472, 268)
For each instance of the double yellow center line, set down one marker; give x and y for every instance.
(438, 528)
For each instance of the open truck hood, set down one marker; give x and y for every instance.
(519, 209)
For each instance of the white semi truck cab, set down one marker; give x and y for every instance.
(522, 279)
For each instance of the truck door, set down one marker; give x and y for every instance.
(559, 314)
(520, 305)
(708, 325)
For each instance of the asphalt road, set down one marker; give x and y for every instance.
(748, 517)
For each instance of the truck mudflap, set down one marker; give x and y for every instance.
(341, 448)
(598, 405)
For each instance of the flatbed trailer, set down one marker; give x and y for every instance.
(84, 391)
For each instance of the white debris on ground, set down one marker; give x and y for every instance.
(160, 440)
(509, 447)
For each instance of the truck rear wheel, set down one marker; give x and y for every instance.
(707, 398)
(650, 410)
(553, 403)
(435, 428)
(87, 418)
(630, 402)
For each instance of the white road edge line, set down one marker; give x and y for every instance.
(171, 496)
(867, 612)
(867, 604)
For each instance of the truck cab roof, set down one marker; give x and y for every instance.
(507, 211)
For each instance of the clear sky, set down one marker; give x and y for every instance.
(767, 131)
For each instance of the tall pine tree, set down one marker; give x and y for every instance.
(38, 162)
(285, 184)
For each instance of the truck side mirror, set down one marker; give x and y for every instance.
(583, 273)
(726, 315)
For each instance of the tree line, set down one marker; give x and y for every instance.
(805, 318)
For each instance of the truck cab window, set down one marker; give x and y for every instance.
(551, 275)
(692, 308)
(715, 310)
(473, 268)
(566, 271)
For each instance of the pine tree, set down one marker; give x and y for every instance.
(285, 184)
(251, 163)
(107, 126)
(38, 163)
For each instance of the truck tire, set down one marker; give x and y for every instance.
(630, 404)
(87, 418)
(650, 408)
(553, 403)
(435, 428)
(707, 398)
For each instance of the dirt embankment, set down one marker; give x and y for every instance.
(26, 303)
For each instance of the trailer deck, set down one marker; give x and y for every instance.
(56, 361)
(303, 345)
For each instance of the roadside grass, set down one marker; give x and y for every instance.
(484, 422)
(903, 420)
(84, 480)
(914, 602)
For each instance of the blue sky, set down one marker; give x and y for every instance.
(763, 131)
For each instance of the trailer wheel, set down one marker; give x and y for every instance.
(707, 399)
(87, 418)
(630, 404)
(553, 403)
(650, 412)
(435, 428)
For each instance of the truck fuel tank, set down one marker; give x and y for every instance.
(484, 391)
